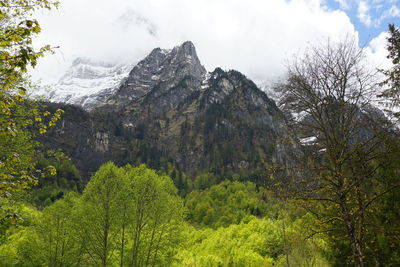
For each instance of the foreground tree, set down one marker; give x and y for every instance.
(393, 74)
(100, 214)
(128, 217)
(57, 239)
(155, 212)
(17, 149)
(331, 85)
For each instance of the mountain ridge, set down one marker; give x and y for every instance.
(218, 122)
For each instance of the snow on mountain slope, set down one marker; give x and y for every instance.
(87, 83)
(380, 104)
(268, 88)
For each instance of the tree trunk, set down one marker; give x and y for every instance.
(352, 234)
(357, 254)
(123, 237)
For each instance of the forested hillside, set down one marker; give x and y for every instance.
(178, 166)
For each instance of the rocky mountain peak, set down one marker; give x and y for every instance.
(161, 68)
(186, 53)
(188, 46)
(222, 84)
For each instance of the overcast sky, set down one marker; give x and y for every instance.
(255, 37)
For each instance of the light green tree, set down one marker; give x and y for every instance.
(57, 233)
(17, 150)
(44, 238)
(254, 243)
(19, 244)
(100, 214)
(156, 213)
(224, 204)
(128, 217)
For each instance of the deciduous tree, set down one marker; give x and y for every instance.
(100, 216)
(17, 150)
(332, 85)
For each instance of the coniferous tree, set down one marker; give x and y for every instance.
(393, 74)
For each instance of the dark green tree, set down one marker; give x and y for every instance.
(393, 74)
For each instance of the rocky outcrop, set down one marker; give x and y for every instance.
(159, 72)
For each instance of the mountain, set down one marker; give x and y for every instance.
(161, 68)
(170, 111)
(87, 83)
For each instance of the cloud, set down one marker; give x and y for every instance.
(376, 52)
(131, 17)
(394, 11)
(344, 4)
(363, 13)
(372, 13)
(252, 36)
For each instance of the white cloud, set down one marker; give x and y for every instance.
(394, 11)
(372, 13)
(363, 13)
(376, 52)
(344, 4)
(252, 36)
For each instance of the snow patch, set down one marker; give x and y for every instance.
(307, 141)
(86, 83)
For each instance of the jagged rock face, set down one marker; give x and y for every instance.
(161, 70)
(227, 119)
(219, 122)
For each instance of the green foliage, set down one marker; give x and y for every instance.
(126, 216)
(393, 74)
(58, 233)
(301, 246)
(257, 242)
(204, 181)
(156, 212)
(100, 214)
(55, 234)
(247, 244)
(53, 187)
(17, 153)
(224, 204)
(47, 238)
(17, 236)
(17, 162)
(382, 239)
(134, 217)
